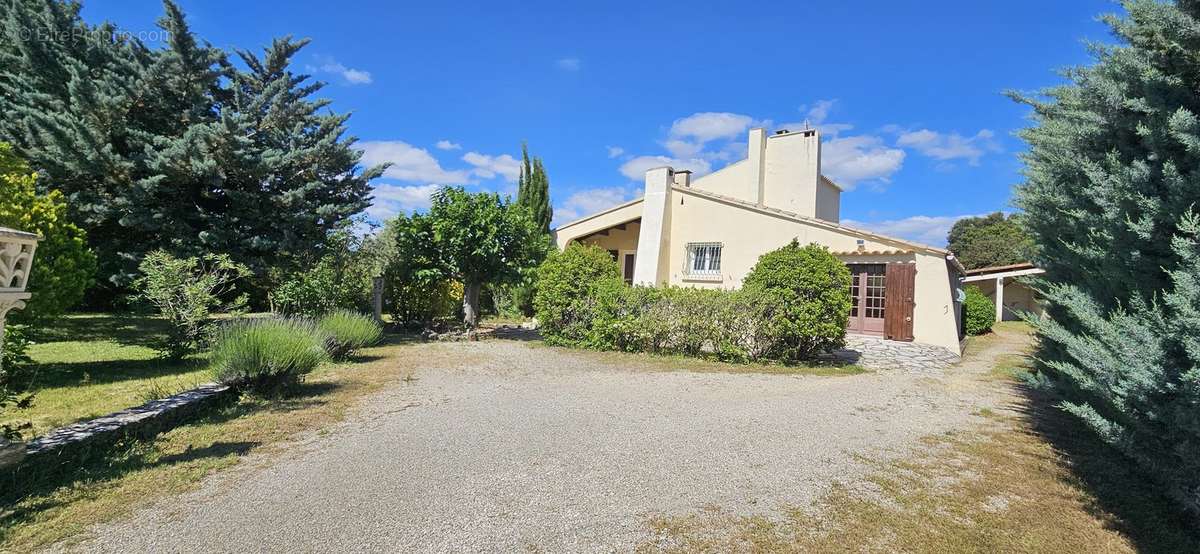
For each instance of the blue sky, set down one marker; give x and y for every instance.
(908, 95)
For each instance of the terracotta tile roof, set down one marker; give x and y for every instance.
(999, 268)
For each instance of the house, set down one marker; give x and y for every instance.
(1001, 284)
(710, 231)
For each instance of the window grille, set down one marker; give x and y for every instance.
(704, 258)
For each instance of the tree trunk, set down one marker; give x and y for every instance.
(471, 303)
(377, 299)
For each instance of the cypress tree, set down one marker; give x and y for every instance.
(1112, 201)
(533, 190)
(175, 148)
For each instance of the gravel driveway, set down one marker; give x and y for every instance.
(500, 445)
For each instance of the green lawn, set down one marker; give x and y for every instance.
(89, 365)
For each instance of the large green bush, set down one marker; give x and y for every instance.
(416, 289)
(1110, 199)
(347, 332)
(265, 355)
(582, 301)
(187, 291)
(809, 291)
(64, 265)
(566, 284)
(979, 311)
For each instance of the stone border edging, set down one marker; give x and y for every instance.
(145, 420)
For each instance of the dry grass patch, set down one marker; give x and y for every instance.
(1033, 482)
(41, 507)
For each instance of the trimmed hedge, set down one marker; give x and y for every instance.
(979, 311)
(784, 313)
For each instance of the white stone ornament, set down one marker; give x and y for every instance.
(16, 261)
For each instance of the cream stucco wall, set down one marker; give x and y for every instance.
(732, 180)
(625, 213)
(745, 234)
(792, 172)
(621, 240)
(1017, 297)
(829, 201)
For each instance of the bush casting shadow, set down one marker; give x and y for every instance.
(1150, 519)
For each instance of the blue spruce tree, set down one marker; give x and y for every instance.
(1111, 198)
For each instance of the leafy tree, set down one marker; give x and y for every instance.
(175, 148)
(187, 291)
(339, 277)
(1112, 185)
(417, 288)
(533, 190)
(63, 266)
(481, 239)
(987, 241)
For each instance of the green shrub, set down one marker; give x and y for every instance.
(347, 332)
(338, 279)
(187, 291)
(979, 311)
(13, 360)
(266, 355)
(420, 301)
(794, 307)
(14, 353)
(808, 290)
(565, 301)
(416, 289)
(65, 266)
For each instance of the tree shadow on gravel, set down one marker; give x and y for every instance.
(1143, 511)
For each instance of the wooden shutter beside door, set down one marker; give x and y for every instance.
(898, 301)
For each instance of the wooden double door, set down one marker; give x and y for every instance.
(881, 300)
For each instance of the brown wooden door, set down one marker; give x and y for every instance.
(901, 286)
(629, 263)
(868, 289)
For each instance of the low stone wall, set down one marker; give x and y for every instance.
(879, 354)
(143, 421)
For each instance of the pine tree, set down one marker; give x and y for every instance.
(1111, 199)
(533, 190)
(175, 148)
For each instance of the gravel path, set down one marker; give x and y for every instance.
(521, 447)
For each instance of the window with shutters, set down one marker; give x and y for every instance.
(703, 259)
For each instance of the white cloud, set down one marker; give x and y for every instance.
(635, 169)
(447, 145)
(817, 116)
(568, 64)
(683, 149)
(393, 199)
(851, 160)
(590, 201)
(409, 163)
(615, 151)
(488, 166)
(949, 146)
(706, 126)
(931, 230)
(326, 64)
(686, 142)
